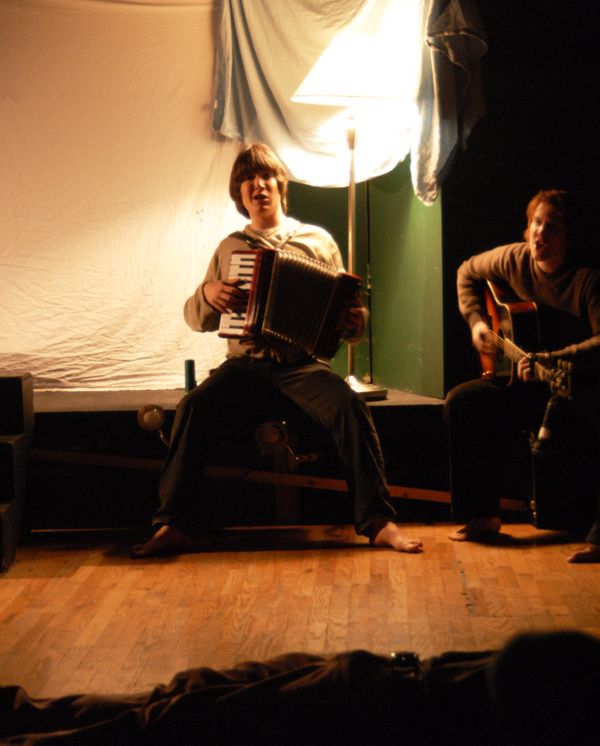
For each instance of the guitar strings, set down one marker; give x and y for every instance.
(559, 377)
(506, 344)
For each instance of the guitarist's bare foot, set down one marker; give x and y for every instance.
(167, 540)
(391, 536)
(590, 553)
(477, 528)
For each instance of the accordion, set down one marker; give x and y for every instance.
(293, 299)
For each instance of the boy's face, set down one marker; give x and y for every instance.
(260, 196)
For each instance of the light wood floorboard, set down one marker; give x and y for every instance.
(77, 614)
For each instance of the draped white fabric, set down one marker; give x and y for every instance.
(423, 54)
(450, 98)
(113, 182)
(261, 64)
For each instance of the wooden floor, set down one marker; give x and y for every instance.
(77, 614)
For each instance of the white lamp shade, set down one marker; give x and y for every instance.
(354, 69)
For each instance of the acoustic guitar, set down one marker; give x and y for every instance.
(512, 319)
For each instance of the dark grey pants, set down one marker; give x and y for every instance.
(232, 394)
(488, 427)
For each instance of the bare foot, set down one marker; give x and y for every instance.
(167, 540)
(590, 553)
(390, 536)
(477, 528)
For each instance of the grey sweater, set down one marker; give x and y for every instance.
(569, 299)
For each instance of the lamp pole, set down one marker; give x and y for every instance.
(366, 390)
(351, 140)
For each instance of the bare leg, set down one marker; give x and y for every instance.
(167, 540)
(391, 536)
(590, 553)
(477, 528)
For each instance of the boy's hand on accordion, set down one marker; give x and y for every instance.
(226, 295)
(352, 325)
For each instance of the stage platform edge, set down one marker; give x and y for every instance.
(93, 466)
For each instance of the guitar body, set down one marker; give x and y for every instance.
(512, 320)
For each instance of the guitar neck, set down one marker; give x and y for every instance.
(510, 349)
(514, 353)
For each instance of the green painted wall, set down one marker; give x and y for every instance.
(406, 296)
(403, 239)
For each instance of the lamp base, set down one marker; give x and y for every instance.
(369, 391)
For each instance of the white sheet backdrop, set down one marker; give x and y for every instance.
(113, 190)
(113, 187)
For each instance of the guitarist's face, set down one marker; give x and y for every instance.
(547, 238)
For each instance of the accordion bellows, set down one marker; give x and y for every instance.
(293, 299)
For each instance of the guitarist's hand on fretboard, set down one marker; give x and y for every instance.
(525, 368)
(541, 366)
(510, 320)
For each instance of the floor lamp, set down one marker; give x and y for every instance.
(340, 78)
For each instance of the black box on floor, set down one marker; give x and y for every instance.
(10, 532)
(14, 452)
(566, 473)
(16, 403)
